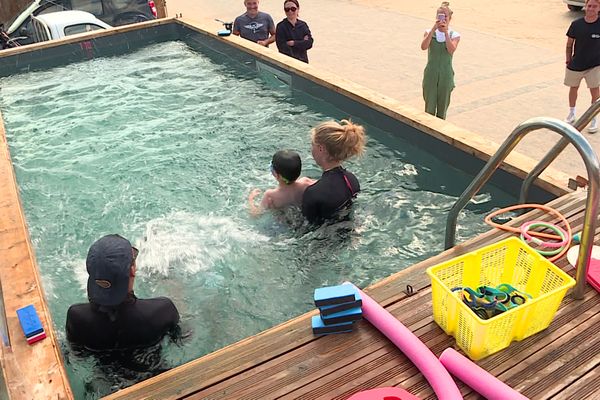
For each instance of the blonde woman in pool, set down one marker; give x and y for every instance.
(438, 79)
(332, 144)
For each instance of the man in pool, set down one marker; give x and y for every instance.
(255, 25)
(286, 166)
(114, 318)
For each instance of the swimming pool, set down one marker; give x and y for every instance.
(387, 174)
(93, 155)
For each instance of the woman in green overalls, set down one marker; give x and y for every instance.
(438, 79)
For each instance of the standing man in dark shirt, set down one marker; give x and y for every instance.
(255, 25)
(114, 318)
(292, 35)
(332, 144)
(583, 59)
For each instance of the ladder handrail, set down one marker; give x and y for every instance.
(593, 170)
(555, 151)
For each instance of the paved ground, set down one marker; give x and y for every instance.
(509, 64)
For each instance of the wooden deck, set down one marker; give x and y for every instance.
(287, 361)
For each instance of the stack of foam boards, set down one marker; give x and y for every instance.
(339, 306)
(30, 322)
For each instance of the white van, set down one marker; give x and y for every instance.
(575, 5)
(60, 24)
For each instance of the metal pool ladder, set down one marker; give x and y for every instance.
(570, 134)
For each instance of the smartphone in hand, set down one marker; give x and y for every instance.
(441, 17)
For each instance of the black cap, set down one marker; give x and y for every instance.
(108, 264)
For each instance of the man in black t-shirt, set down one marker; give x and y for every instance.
(583, 58)
(114, 318)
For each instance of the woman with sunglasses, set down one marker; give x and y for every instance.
(332, 144)
(292, 35)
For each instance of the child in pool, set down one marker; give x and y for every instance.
(285, 167)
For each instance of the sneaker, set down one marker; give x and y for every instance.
(593, 128)
(570, 118)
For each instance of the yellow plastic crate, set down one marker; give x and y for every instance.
(509, 261)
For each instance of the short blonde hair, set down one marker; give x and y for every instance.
(341, 140)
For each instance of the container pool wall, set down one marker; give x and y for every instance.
(18, 269)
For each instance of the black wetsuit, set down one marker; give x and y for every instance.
(134, 323)
(334, 191)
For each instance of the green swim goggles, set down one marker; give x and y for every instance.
(487, 301)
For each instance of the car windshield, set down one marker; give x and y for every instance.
(13, 19)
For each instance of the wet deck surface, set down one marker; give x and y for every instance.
(561, 362)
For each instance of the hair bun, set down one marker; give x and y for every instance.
(347, 125)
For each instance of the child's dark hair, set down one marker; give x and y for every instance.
(287, 164)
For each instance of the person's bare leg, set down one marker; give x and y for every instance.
(593, 127)
(595, 92)
(572, 101)
(573, 96)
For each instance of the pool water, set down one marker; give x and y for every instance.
(163, 146)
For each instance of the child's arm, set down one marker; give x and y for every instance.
(254, 209)
(265, 203)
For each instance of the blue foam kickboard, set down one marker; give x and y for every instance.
(30, 322)
(353, 314)
(330, 295)
(328, 310)
(319, 328)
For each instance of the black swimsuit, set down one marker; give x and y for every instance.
(334, 191)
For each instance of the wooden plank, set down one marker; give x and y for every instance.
(276, 375)
(586, 387)
(392, 365)
(320, 357)
(545, 372)
(21, 285)
(331, 378)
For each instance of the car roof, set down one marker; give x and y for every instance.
(61, 19)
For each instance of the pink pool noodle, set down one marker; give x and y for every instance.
(476, 377)
(440, 380)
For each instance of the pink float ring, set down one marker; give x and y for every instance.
(555, 228)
